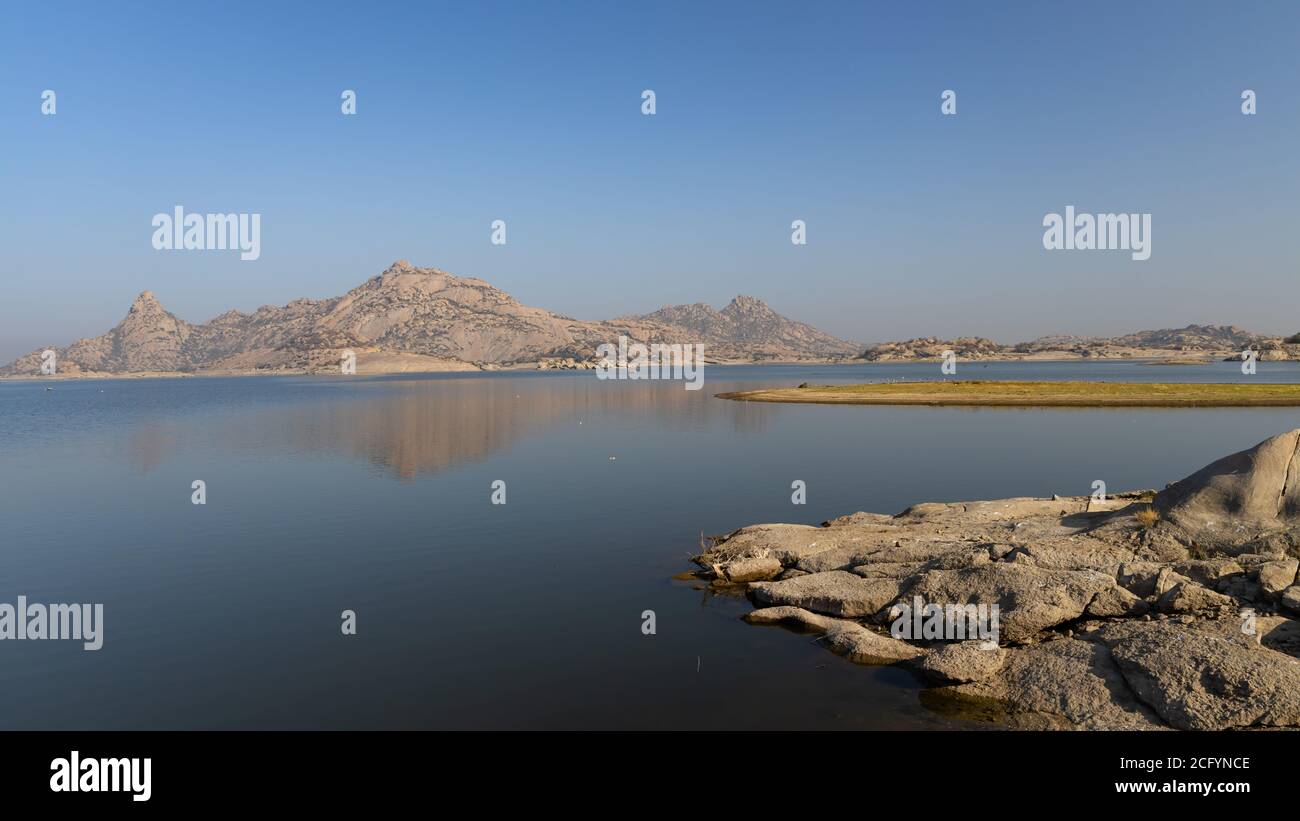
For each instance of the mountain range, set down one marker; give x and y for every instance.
(425, 319)
(409, 318)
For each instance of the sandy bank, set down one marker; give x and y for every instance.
(1036, 394)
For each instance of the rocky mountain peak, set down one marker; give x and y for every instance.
(748, 306)
(146, 301)
(402, 274)
(393, 271)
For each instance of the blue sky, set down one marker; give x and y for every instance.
(918, 224)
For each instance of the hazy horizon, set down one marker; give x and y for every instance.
(918, 224)
(1003, 339)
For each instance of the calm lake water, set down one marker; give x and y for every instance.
(374, 495)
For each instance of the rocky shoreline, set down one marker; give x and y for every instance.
(1145, 610)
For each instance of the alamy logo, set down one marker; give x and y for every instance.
(1102, 232)
(1247, 616)
(950, 622)
(75, 774)
(1248, 359)
(638, 361)
(179, 231)
(79, 622)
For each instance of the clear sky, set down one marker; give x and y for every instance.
(530, 112)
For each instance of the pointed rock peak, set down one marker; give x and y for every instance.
(146, 301)
(747, 305)
(398, 268)
(404, 273)
(404, 267)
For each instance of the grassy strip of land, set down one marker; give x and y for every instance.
(1037, 394)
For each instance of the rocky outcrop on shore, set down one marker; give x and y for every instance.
(1177, 609)
(567, 363)
(1274, 350)
(931, 348)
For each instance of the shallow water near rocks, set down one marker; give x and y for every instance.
(374, 494)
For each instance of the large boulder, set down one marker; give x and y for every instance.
(960, 662)
(1029, 598)
(1276, 576)
(1189, 597)
(1233, 500)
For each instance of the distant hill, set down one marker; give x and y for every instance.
(1209, 338)
(749, 324)
(1192, 342)
(421, 315)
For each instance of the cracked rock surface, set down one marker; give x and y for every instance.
(1149, 611)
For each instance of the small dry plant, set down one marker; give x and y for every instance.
(1147, 517)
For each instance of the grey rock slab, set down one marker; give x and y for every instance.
(835, 592)
(789, 615)
(1204, 680)
(864, 646)
(1071, 682)
(846, 638)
